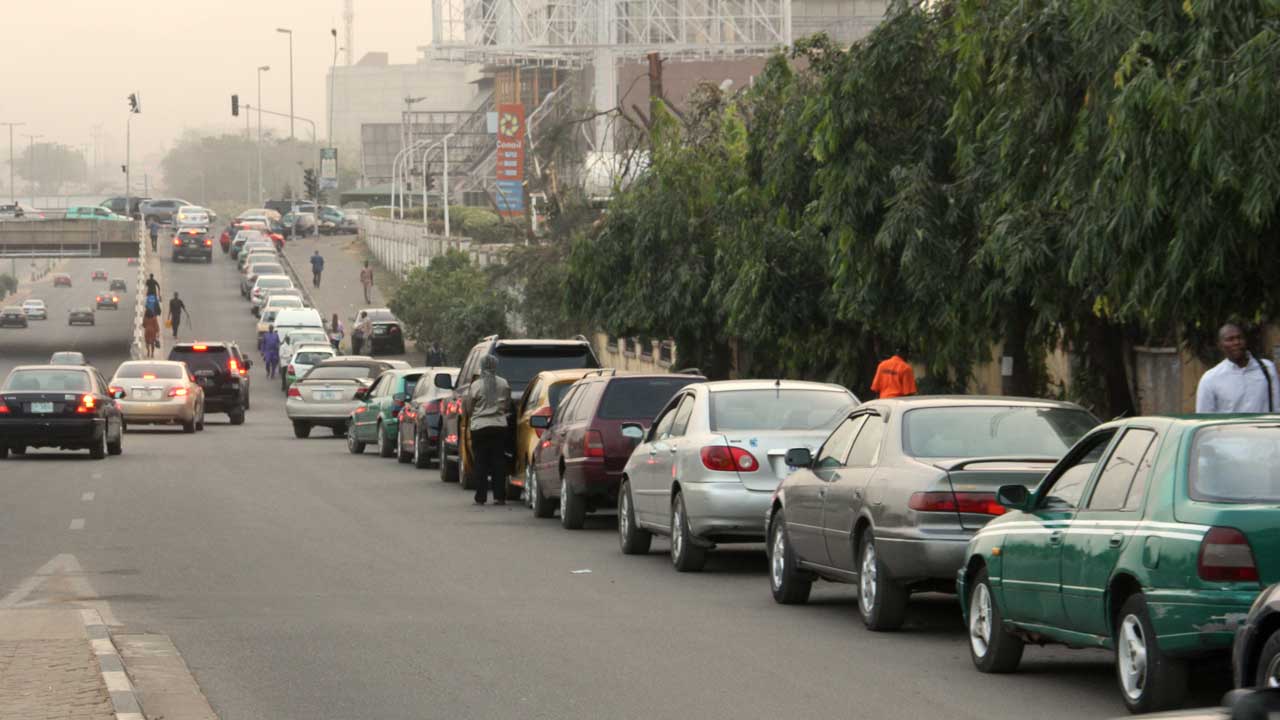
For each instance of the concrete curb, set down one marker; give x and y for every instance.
(123, 698)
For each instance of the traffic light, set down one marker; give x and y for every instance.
(135, 105)
(235, 106)
(311, 183)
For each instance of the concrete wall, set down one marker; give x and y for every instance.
(68, 238)
(629, 355)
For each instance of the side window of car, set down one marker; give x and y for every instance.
(1119, 476)
(586, 405)
(662, 425)
(866, 448)
(375, 388)
(683, 413)
(564, 413)
(531, 396)
(1069, 482)
(836, 448)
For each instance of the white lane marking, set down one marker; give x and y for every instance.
(77, 524)
(24, 588)
(102, 646)
(95, 476)
(87, 497)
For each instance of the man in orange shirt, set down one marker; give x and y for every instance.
(894, 378)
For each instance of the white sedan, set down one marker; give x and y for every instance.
(35, 309)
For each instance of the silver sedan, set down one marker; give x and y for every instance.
(158, 392)
(330, 392)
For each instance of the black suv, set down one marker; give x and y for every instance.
(376, 329)
(518, 362)
(193, 242)
(222, 372)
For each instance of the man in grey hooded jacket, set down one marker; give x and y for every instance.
(489, 409)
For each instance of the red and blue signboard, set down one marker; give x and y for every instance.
(510, 161)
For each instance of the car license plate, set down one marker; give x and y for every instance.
(325, 394)
(149, 395)
(41, 407)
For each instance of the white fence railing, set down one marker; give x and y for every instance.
(138, 349)
(401, 245)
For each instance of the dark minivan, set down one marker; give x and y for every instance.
(582, 453)
(222, 372)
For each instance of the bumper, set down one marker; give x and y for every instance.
(201, 253)
(920, 557)
(70, 433)
(590, 478)
(331, 413)
(143, 412)
(221, 403)
(37, 316)
(13, 324)
(1200, 621)
(726, 512)
(108, 305)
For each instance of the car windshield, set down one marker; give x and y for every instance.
(342, 372)
(149, 371)
(270, 282)
(778, 409)
(281, 302)
(1236, 464)
(265, 269)
(380, 315)
(202, 357)
(518, 364)
(81, 310)
(638, 398)
(311, 357)
(34, 303)
(992, 430)
(50, 380)
(309, 337)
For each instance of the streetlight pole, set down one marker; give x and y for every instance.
(261, 69)
(288, 32)
(13, 193)
(31, 164)
(333, 70)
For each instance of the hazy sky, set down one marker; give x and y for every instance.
(69, 65)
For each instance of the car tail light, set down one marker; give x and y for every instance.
(1225, 556)
(451, 438)
(177, 392)
(594, 445)
(293, 392)
(277, 237)
(394, 329)
(975, 503)
(234, 366)
(431, 407)
(4, 409)
(115, 299)
(199, 348)
(289, 370)
(208, 242)
(177, 241)
(148, 376)
(87, 404)
(726, 458)
(541, 412)
(361, 409)
(115, 389)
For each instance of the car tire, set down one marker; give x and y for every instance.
(992, 648)
(117, 447)
(4, 452)
(354, 446)
(200, 420)
(448, 470)
(466, 475)
(301, 430)
(633, 539)
(99, 449)
(686, 555)
(189, 427)
(385, 448)
(790, 585)
(543, 506)
(402, 456)
(881, 601)
(1149, 680)
(1267, 674)
(573, 508)
(421, 457)
(237, 417)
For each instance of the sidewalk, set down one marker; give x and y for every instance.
(340, 289)
(48, 667)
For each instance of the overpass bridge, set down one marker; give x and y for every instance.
(70, 238)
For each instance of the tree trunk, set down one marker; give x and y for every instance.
(1106, 353)
(1016, 333)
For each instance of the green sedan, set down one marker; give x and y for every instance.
(1151, 538)
(377, 421)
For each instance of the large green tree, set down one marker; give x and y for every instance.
(51, 165)
(452, 302)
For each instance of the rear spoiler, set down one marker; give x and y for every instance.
(962, 464)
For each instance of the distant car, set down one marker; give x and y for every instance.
(377, 421)
(291, 338)
(35, 309)
(68, 357)
(118, 285)
(162, 210)
(329, 393)
(81, 315)
(193, 243)
(302, 360)
(133, 262)
(159, 392)
(108, 301)
(256, 268)
(98, 274)
(266, 283)
(419, 426)
(59, 406)
(267, 317)
(335, 222)
(91, 212)
(62, 280)
(117, 206)
(222, 372)
(280, 293)
(13, 316)
(193, 215)
(11, 211)
(377, 329)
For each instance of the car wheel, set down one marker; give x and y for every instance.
(992, 648)
(882, 602)
(4, 452)
(301, 430)
(448, 469)
(421, 458)
(790, 586)
(1149, 680)
(237, 417)
(200, 420)
(117, 447)
(573, 508)
(1268, 673)
(633, 538)
(354, 446)
(189, 426)
(401, 455)
(543, 507)
(686, 555)
(99, 448)
(465, 474)
(385, 448)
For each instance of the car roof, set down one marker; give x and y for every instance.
(728, 385)
(32, 301)
(314, 346)
(348, 361)
(50, 366)
(514, 342)
(914, 401)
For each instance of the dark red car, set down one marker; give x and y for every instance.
(579, 461)
(98, 275)
(62, 280)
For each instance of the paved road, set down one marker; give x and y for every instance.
(299, 581)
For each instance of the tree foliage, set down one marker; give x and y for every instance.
(451, 302)
(51, 165)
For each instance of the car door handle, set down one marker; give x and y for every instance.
(653, 451)
(672, 449)
(1116, 540)
(822, 492)
(1055, 537)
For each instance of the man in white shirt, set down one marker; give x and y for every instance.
(1240, 383)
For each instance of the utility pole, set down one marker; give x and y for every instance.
(288, 32)
(31, 164)
(333, 71)
(261, 69)
(13, 193)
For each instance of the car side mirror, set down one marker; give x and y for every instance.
(633, 432)
(1014, 497)
(540, 422)
(444, 382)
(117, 395)
(799, 458)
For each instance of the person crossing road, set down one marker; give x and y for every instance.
(317, 267)
(177, 309)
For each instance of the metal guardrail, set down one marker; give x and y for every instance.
(138, 349)
(401, 245)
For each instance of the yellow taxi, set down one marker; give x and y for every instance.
(540, 401)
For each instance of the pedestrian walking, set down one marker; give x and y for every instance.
(894, 377)
(1240, 383)
(154, 228)
(336, 332)
(489, 409)
(153, 285)
(176, 310)
(366, 281)
(151, 330)
(435, 355)
(271, 351)
(317, 267)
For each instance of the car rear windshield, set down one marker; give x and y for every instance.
(638, 398)
(282, 302)
(342, 372)
(992, 431)
(81, 311)
(518, 364)
(1236, 464)
(300, 338)
(248, 235)
(556, 392)
(380, 316)
(266, 269)
(311, 357)
(47, 380)
(149, 370)
(778, 409)
(270, 282)
(213, 357)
